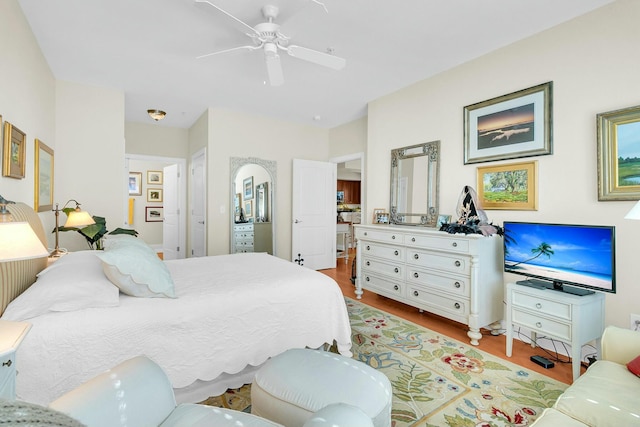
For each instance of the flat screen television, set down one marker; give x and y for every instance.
(577, 259)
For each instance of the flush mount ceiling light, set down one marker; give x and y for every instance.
(156, 114)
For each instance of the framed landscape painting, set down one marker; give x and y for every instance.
(511, 186)
(44, 177)
(619, 154)
(511, 126)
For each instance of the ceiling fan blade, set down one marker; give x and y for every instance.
(232, 50)
(242, 23)
(274, 70)
(317, 57)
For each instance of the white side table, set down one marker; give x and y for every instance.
(11, 336)
(568, 318)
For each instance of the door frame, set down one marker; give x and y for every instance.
(349, 158)
(200, 153)
(182, 188)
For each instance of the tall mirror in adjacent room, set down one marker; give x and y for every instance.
(253, 185)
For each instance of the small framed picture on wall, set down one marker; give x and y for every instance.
(153, 213)
(154, 194)
(154, 177)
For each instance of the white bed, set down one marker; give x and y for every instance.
(229, 315)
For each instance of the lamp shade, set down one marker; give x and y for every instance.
(18, 241)
(634, 213)
(78, 218)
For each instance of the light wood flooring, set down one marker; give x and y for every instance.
(491, 344)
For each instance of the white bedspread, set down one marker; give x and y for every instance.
(230, 311)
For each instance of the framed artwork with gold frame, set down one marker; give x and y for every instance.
(13, 161)
(619, 154)
(510, 187)
(43, 200)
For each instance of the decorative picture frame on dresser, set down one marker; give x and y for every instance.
(13, 161)
(43, 200)
(617, 162)
(376, 211)
(510, 126)
(381, 218)
(511, 186)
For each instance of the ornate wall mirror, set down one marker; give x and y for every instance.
(253, 185)
(415, 181)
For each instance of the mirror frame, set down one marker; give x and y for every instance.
(236, 163)
(429, 218)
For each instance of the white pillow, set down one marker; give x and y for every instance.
(119, 240)
(137, 272)
(73, 282)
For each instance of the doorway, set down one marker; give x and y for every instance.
(350, 208)
(141, 209)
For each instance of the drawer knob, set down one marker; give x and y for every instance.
(538, 325)
(7, 363)
(416, 275)
(368, 263)
(457, 305)
(454, 244)
(416, 256)
(457, 285)
(396, 287)
(538, 305)
(415, 293)
(396, 253)
(458, 263)
(365, 233)
(367, 278)
(393, 237)
(413, 239)
(396, 270)
(368, 247)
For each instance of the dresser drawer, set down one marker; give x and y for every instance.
(447, 306)
(7, 376)
(382, 286)
(392, 253)
(450, 263)
(243, 227)
(555, 309)
(429, 279)
(542, 324)
(449, 243)
(383, 235)
(373, 265)
(243, 235)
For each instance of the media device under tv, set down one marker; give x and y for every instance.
(577, 259)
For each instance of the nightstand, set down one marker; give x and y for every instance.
(568, 318)
(11, 336)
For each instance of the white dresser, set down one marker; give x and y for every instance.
(572, 319)
(456, 276)
(243, 237)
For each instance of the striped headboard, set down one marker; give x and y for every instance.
(17, 276)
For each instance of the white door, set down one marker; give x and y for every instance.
(171, 222)
(198, 204)
(313, 231)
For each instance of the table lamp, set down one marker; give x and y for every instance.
(18, 241)
(75, 219)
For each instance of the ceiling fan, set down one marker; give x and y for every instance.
(266, 36)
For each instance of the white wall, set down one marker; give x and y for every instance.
(234, 134)
(593, 64)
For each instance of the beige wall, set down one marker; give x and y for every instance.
(154, 139)
(593, 64)
(234, 134)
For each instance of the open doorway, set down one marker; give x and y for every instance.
(349, 202)
(146, 206)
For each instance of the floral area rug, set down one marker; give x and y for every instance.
(437, 381)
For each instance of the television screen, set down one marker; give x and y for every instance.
(581, 256)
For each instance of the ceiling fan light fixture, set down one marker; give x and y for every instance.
(156, 114)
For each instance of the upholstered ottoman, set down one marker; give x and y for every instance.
(291, 387)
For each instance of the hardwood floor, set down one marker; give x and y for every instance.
(491, 344)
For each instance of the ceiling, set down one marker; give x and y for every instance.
(148, 50)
